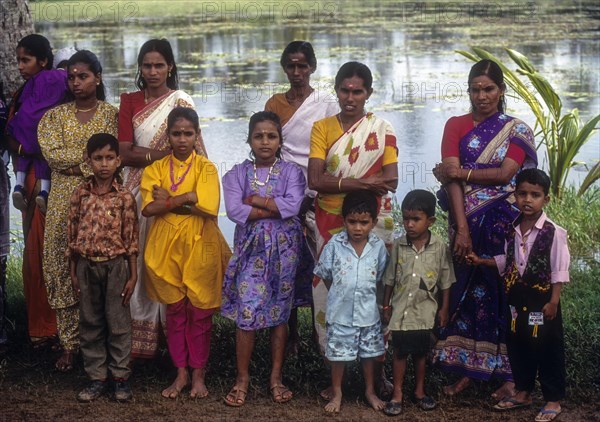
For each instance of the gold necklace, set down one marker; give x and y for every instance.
(87, 109)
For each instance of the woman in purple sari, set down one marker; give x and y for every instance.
(270, 257)
(481, 153)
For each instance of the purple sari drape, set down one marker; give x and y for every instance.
(473, 342)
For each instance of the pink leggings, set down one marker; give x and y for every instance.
(188, 334)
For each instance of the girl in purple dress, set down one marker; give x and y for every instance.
(270, 260)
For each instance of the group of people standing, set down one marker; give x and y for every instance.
(322, 171)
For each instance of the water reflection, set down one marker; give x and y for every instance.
(228, 55)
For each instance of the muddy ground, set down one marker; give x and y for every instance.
(31, 390)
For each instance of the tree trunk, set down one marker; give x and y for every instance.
(15, 23)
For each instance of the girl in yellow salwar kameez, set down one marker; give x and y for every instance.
(185, 251)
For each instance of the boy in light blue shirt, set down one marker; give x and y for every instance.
(351, 266)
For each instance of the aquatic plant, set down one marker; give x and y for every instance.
(562, 134)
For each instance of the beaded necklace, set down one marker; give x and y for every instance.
(255, 182)
(174, 185)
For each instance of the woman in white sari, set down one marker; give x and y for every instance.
(298, 108)
(143, 140)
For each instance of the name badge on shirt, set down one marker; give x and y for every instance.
(536, 318)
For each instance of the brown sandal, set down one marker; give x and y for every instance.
(278, 392)
(236, 397)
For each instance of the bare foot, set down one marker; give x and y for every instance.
(374, 401)
(327, 394)
(66, 360)
(506, 390)
(334, 404)
(457, 387)
(198, 386)
(181, 381)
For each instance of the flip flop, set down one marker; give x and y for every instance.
(238, 400)
(278, 397)
(513, 404)
(553, 414)
(392, 408)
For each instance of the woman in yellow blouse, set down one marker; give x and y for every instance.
(62, 134)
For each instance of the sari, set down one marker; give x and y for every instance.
(358, 153)
(473, 343)
(149, 131)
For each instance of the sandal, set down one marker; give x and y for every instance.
(66, 360)
(425, 402)
(279, 392)
(236, 397)
(546, 415)
(510, 404)
(392, 408)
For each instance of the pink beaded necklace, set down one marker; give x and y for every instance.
(174, 185)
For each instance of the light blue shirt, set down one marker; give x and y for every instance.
(352, 297)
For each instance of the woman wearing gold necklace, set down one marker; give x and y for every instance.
(63, 134)
(143, 140)
(350, 151)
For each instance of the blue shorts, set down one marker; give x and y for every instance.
(346, 343)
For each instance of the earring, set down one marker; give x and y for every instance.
(169, 73)
(97, 83)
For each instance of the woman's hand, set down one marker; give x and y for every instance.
(379, 184)
(462, 244)
(446, 172)
(159, 194)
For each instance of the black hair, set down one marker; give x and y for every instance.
(100, 140)
(419, 200)
(263, 116)
(89, 58)
(183, 113)
(163, 47)
(303, 47)
(351, 69)
(490, 69)
(63, 64)
(534, 176)
(360, 201)
(38, 46)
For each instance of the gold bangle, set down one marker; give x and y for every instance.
(71, 172)
(19, 150)
(340, 185)
(267, 202)
(469, 175)
(148, 157)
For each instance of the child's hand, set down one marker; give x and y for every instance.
(473, 259)
(550, 310)
(386, 315)
(442, 317)
(248, 200)
(128, 290)
(159, 193)
(191, 198)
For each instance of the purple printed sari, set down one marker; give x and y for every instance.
(473, 342)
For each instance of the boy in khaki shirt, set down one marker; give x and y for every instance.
(419, 268)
